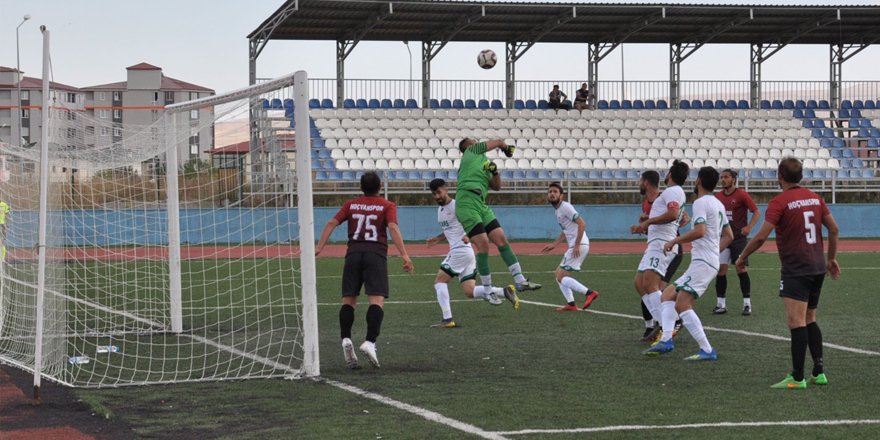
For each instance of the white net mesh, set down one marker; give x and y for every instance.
(110, 312)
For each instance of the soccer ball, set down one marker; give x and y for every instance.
(487, 59)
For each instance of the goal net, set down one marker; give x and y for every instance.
(171, 245)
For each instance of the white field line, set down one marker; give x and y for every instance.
(694, 425)
(727, 330)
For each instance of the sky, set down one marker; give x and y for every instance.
(205, 42)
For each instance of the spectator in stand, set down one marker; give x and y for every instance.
(583, 99)
(557, 98)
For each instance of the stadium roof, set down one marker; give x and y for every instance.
(427, 20)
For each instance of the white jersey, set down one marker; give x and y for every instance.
(567, 217)
(452, 228)
(709, 211)
(672, 195)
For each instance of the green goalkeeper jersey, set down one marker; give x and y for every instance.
(471, 174)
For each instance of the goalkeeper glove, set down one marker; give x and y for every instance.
(508, 150)
(491, 168)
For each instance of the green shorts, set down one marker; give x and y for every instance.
(471, 210)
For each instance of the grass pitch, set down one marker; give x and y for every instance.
(523, 374)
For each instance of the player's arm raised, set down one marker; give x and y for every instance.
(754, 244)
(401, 248)
(833, 234)
(500, 145)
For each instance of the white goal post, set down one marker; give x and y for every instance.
(163, 251)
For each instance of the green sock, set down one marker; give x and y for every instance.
(483, 263)
(507, 255)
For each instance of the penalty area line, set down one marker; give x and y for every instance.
(717, 329)
(695, 426)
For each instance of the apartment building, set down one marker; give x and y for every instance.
(140, 100)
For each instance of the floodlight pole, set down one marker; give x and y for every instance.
(597, 51)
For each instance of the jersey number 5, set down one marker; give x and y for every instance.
(810, 227)
(365, 224)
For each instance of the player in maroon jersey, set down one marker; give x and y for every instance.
(798, 214)
(738, 204)
(366, 261)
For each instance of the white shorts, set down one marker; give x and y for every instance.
(696, 278)
(654, 258)
(460, 262)
(572, 263)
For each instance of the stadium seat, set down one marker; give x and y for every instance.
(788, 104)
(870, 105)
(823, 105)
(602, 104)
(313, 103)
(626, 104)
(847, 104)
(518, 104)
(684, 104)
(730, 104)
(638, 104)
(412, 103)
(496, 104)
(811, 104)
(800, 103)
(858, 104)
(543, 104)
(361, 104)
(445, 104)
(855, 113)
(386, 104)
(810, 113)
(776, 105)
(798, 113)
(531, 104)
(457, 103)
(397, 103)
(719, 104)
(614, 104)
(650, 104)
(742, 104)
(765, 104)
(469, 103)
(482, 104)
(348, 103)
(662, 104)
(819, 123)
(374, 104)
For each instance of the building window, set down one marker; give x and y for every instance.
(117, 131)
(117, 96)
(103, 113)
(102, 96)
(105, 131)
(155, 97)
(25, 113)
(71, 116)
(90, 130)
(193, 150)
(193, 95)
(117, 114)
(193, 115)
(169, 96)
(25, 95)
(25, 132)
(71, 132)
(71, 98)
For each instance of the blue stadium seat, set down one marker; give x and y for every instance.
(614, 104)
(602, 104)
(697, 104)
(348, 103)
(593, 174)
(543, 104)
(756, 174)
(843, 114)
(606, 175)
(875, 132)
(361, 103)
(519, 175)
(638, 104)
(483, 104)
(855, 113)
(276, 103)
(870, 105)
(825, 143)
(531, 175)
(864, 133)
(800, 103)
(445, 103)
(433, 103)
(684, 104)
(819, 123)
(650, 104)
(519, 104)
(496, 104)
(470, 103)
(742, 104)
(327, 103)
(798, 113)
(662, 104)
(838, 143)
(811, 104)
(719, 104)
(313, 103)
(859, 104)
(810, 113)
(452, 174)
(844, 163)
(776, 105)
(507, 175)
(730, 104)
(770, 174)
(457, 103)
(836, 153)
(823, 105)
(556, 174)
(620, 174)
(399, 103)
(531, 104)
(374, 103)
(765, 104)
(266, 104)
(788, 104)
(632, 175)
(827, 132)
(387, 104)
(808, 123)
(847, 104)
(578, 174)
(855, 123)
(817, 133)
(874, 143)
(846, 153)
(626, 104)
(288, 103)
(412, 103)
(708, 104)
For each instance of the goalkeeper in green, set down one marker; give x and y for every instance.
(476, 174)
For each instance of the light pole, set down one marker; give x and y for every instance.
(18, 68)
(410, 69)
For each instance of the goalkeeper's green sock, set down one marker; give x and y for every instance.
(512, 263)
